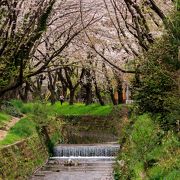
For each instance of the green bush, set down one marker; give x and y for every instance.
(158, 89)
(172, 105)
(151, 149)
(10, 109)
(17, 103)
(25, 108)
(40, 114)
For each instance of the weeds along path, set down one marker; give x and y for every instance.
(4, 131)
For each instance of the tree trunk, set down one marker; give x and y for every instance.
(98, 94)
(112, 96)
(71, 98)
(51, 87)
(13, 94)
(88, 97)
(24, 92)
(53, 97)
(120, 92)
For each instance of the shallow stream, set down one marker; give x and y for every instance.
(91, 158)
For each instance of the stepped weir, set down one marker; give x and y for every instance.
(88, 159)
(103, 150)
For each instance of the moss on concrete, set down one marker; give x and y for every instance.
(19, 160)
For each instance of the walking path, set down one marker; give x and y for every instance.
(3, 132)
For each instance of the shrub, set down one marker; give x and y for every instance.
(10, 109)
(158, 90)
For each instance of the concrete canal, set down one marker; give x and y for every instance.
(88, 152)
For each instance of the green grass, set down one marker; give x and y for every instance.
(24, 108)
(81, 109)
(65, 109)
(22, 129)
(149, 150)
(42, 114)
(4, 118)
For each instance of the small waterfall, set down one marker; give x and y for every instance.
(100, 150)
(88, 154)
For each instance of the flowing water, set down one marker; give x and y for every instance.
(95, 168)
(90, 150)
(82, 161)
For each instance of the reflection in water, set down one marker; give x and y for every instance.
(89, 137)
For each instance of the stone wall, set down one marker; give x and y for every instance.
(19, 160)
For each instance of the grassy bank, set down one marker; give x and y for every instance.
(65, 109)
(38, 118)
(39, 115)
(21, 130)
(148, 152)
(27, 143)
(4, 118)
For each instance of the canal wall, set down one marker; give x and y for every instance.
(19, 160)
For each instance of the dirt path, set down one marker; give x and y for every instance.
(10, 124)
